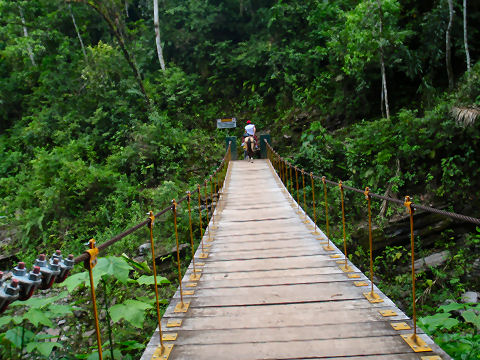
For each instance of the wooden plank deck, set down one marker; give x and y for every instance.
(268, 289)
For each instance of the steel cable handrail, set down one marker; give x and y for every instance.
(453, 215)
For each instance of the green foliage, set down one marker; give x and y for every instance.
(82, 155)
(458, 336)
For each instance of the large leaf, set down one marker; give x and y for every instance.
(451, 307)
(150, 280)
(40, 302)
(37, 316)
(440, 320)
(73, 281)
(471, 317)
(5, 319)
(15, 336)
(59, 310)
(113, 266)
(44, 348)
(132, 311)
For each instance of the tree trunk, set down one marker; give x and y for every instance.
(382, 100)
(465, 37)
(382, 64)
(123, 47)
(126, 8)
(78, 33)
(384, 83)
(157, 34)
(25, 33)
(448, 45)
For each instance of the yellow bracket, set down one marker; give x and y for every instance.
(436, 357)
(195, 277)
(336, 256)
(346, 268)
(162, 354)
(193, 284)
(400, 326)
(315, 232)
(310, 227)
(198, 270)
(373, 297)
(203, 255)
(208, 245)
(200, 264)
(388, 313)
(188, 292)
(169, 337)
(354, 276)
(93, 252)
(416, 343)
(174, 323)
(328, 248)
(182, 307)
(360, 283)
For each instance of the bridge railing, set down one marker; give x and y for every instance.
(289, 175)
(23, 284)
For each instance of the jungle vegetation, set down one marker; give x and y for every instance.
(108, 108)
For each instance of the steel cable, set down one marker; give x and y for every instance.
(396, 201)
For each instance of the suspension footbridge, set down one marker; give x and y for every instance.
(265, 282)
(268, 285)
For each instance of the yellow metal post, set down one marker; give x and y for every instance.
(183, 306)
(189, 197)
(328, 247)
(314, 211)
(90, 264)
(200, 218)
(371, 296)
(211, 201)
(152, 247)
(291, 181)
(345, 267)
(298, 200)
(207, 228)
(413, 340)
(304, 197)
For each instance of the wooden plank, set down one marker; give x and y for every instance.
(209, 274)
(291, 333)
(294, 349)
(292, 262)
(282, 310)
(273, 316)
(226, 282)
(276, 294)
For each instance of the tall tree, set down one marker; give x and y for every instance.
(157, 34)
(448, 44)
(25, 33)
(465, 37)
(108, 11)
(78, 32)
(382, 61)
(371, 29)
